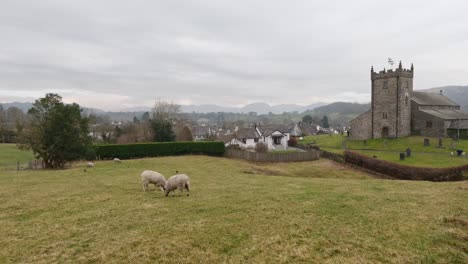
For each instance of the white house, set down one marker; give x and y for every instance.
(274, 137)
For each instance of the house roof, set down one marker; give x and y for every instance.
(308, 129)
(269, 129)
(447, 114)
(422, 98)
(247, 133)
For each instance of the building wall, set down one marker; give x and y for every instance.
(361, 126)
(419, 125)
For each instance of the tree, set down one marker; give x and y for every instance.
(183, 133)
(164, 114)
(325, 122)
(56, 132)
(307, 119)
(162, 130)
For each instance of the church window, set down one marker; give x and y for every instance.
(406, 100)
(385, 85)
(407, 84)
(429, 124)
(384, 115)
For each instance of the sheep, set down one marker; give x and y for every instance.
(178, 181)
(90, 164)
(117, 160)
(153, 177)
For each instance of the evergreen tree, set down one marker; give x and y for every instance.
(325, 122)
(56, 132)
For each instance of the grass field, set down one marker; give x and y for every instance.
(238, 212)
(389, 149)
(10, 154)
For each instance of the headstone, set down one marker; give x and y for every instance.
(408, 152)
(402, 156)
(440, 143)
(385, 143)
(347, 133)
(365, 143)
(426, 142)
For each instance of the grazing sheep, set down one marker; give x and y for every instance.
(90, 164)
(178, 181)
(117, 160)
(153, 177)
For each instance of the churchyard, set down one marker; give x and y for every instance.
(389, 149)
(238, 212)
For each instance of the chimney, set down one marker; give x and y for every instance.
(440, 92)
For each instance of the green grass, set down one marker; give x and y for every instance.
(10, 154)
(238, 212)
(389, 149)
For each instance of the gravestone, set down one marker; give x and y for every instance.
(365, 143)
(440, 145)
(426, 142)
(408, 152)
(385, 143)
(402, 156)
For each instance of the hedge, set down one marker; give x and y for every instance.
(405, 172)
(141, 150)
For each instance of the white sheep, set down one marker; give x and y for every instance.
(117, 160)
(90, 164)
(153, 177)
(178, 181)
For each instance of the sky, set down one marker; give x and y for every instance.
(115, 54)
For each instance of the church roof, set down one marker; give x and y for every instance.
(422, 98)
(447, 114)
(463, 124)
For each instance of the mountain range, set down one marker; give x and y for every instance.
(458, 94)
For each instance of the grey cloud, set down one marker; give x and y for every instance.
(225, 52)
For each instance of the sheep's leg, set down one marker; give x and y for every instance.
(144, 186)
(162, 189)
(187, 187)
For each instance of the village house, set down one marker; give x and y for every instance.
(274, 137)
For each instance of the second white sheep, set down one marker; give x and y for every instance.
(178, 181)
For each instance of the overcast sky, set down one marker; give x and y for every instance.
(117, 54)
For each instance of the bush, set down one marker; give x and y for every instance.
(261, 147)
(405, 172)
(141, 150)
(292, 142)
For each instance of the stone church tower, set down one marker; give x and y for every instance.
(391, 102)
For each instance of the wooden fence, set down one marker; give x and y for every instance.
(272, 157)
(23, 165)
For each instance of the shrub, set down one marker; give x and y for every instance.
(405, 172)
(292, 142)
(141, 150)
(261, 147)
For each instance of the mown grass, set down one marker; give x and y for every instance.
(10, 155)
(238, 212)
(389, 149)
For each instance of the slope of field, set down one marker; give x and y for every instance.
(237, 212)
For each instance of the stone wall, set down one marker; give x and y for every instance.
(361, 126)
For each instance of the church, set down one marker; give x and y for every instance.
(397, 111)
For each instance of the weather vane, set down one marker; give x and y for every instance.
(390, 61)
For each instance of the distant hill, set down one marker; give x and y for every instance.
(23, 106)
(339, 113)
(259, 108)
(458, 94)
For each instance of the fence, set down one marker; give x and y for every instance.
(22, 165)
(272, 157)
